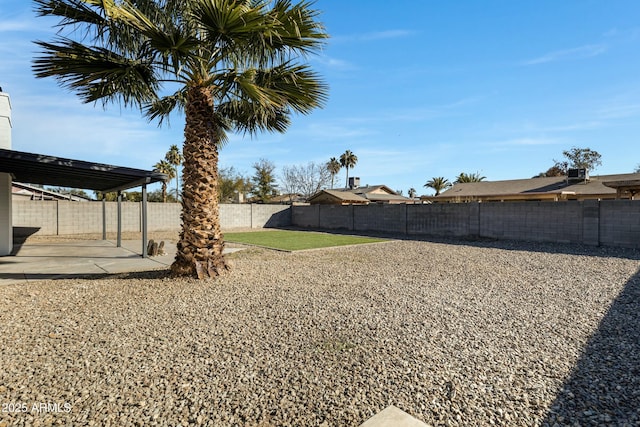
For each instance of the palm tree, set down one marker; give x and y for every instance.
(438, 183)
(348, 160)
(333, 166)
(163, 166)
(412, 193)
(235, 65)
(175, 158)
(469, 177)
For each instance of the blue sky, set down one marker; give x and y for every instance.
(418, 89)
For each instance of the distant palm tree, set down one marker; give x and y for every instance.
(348, 160)
(234, 65)
(412, 193)
(333, 166)
(438, 183)
(163, 166)
(471, 177)
(174, 157)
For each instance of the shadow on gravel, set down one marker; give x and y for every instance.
(515, 245)
(33, 277)
(604, 387)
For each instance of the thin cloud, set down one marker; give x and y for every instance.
(374, 36)
(24, 24)
(620, 111)
(519, 142)
(334, 63)
(581, 52)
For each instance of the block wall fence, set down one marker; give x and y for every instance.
(591, 222)
(66, 218)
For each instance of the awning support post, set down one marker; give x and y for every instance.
(144, 221)
(119, 236)
(104, 217)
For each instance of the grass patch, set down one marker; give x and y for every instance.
(296, 240)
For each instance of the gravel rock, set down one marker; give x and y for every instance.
(452, 332)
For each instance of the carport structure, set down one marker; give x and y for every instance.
(57, 171)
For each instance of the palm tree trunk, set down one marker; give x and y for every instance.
(177, 184)
(199, 249)
(347, 184)
(164, 192)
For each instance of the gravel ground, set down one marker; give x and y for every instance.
(454, 333)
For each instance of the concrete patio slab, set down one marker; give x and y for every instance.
(393, 417)
(44, 260)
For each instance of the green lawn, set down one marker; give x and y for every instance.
(296, 240)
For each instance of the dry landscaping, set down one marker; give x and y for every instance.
(454, 333)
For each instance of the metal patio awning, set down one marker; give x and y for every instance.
(44, 169)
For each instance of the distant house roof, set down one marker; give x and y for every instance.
(359, 195)
(287, 198)
(336, 197)
(35, 193)
(545, 188)
(379, 194)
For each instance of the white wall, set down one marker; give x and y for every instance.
(6, 230)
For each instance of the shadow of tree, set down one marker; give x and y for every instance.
(604, 387)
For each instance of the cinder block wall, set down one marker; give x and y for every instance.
(439, 219)
(591, 222)
(534, 221)
(306, 216)
(37, 214)
(392, 218)
(67, 218)
(336, 217)
(163, 216)
(266, 216)
(620, 223)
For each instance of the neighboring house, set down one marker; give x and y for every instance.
(21, 191)
(336, 197)
(287, 199)
(622, 186)
(380, 194)
(359, 195)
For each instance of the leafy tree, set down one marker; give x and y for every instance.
(231, 183)
(174, 158)
(167, 168)
(555, 170)
(158, 196)
(333, 166)
(306, 180)
(578, 158)
(348, 160)
(235, 65)
(412, 193)
(438, 183)
(127, 196)
(471, 177)
(264, 180)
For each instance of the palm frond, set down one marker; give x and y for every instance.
(248, 117)
(70, 11)
(161, 108)
(295, 27)
(95, 73)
